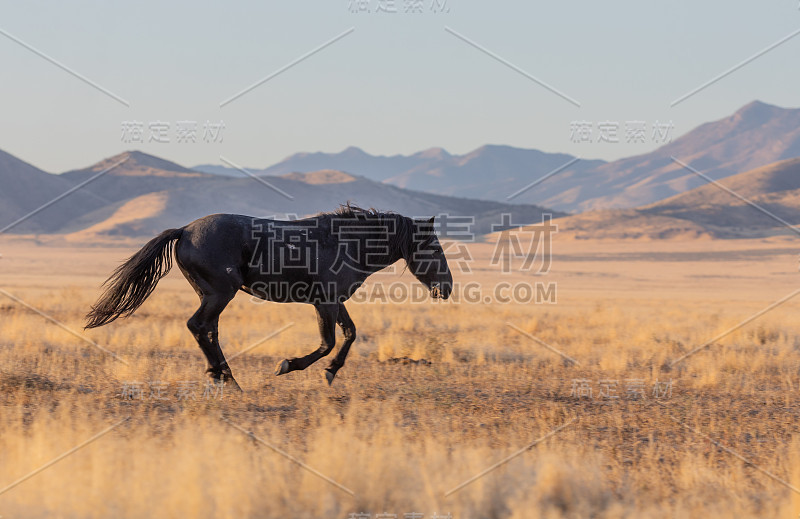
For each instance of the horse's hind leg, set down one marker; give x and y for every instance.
(204, 325)
(349, 329)
(326, 319)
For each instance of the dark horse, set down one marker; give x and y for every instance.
(320, 261)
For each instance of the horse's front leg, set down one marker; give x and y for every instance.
(326, 319)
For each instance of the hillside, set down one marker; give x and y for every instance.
(139, 174)
(706, 211)
(148, 214)
(26, 188)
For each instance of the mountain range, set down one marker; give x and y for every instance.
(755, 135)
(133, 194)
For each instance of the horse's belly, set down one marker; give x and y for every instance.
(290, 289)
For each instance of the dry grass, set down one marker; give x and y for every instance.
(400, 435)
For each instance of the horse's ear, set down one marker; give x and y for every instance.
(431, 226)
(425, 226)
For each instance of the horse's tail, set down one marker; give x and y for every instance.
(134, 280)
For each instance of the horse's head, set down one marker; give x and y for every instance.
(427, 261)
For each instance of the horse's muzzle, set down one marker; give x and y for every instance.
(437, 292)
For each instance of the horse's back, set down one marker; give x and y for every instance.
(216, 242)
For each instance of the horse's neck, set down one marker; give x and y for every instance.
(375, 262)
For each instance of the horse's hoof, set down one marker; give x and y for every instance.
(231, 384)
(329, 376)
(282, 367)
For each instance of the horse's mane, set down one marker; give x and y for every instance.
(350, 210)
(403, 244)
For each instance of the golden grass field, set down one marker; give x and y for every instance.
(401, 435)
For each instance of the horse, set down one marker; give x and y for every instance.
(320, 261)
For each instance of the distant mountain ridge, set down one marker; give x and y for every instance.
(755, 135)
(497, 170)
(352, 160)
(136, 163)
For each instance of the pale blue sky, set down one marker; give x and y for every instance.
(399, 83)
